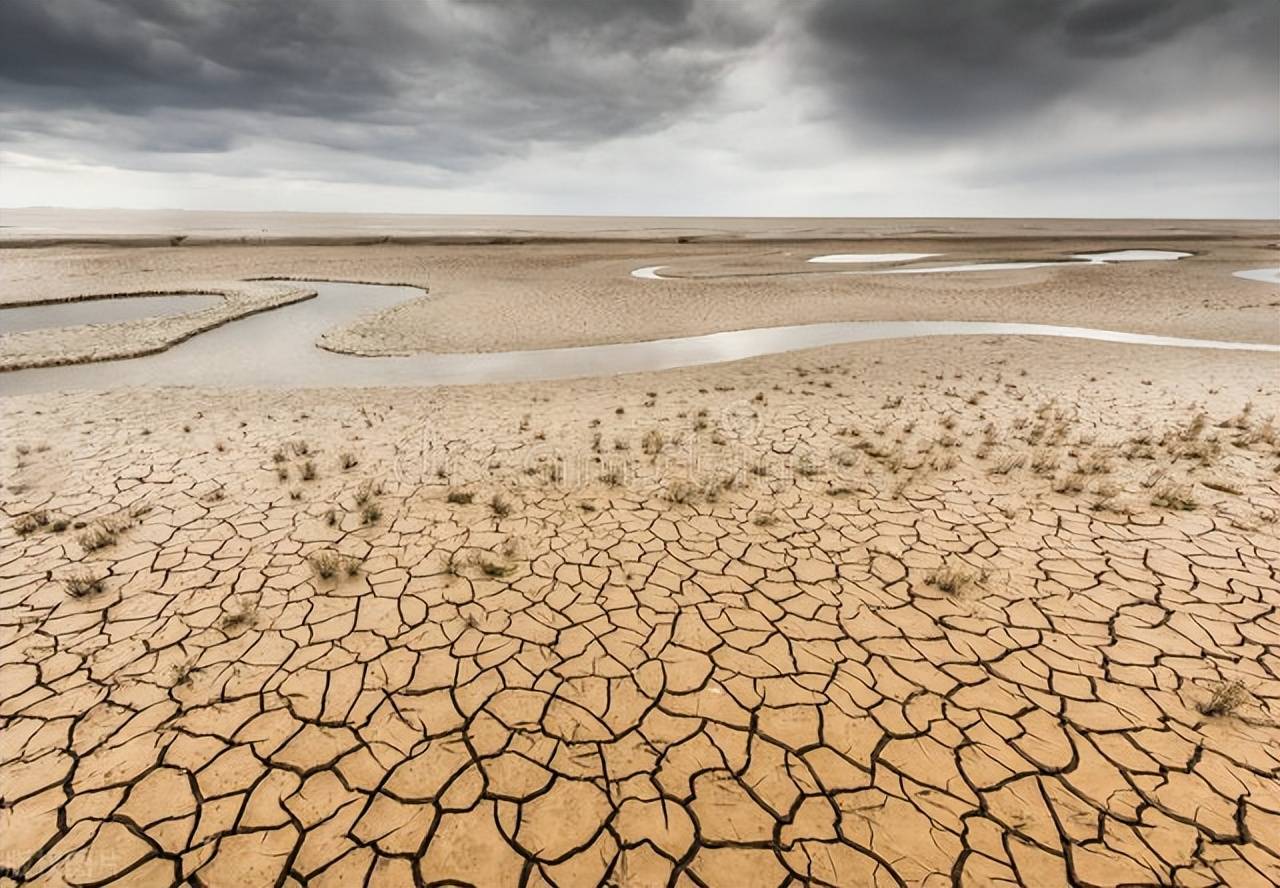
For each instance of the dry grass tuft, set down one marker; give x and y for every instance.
(653, 442)
(680, 491)
(1008, 462)
(1227, 697)
(325, 564)
(1170, 495)
(500, 505)
(241, 617)
(101, 533)
(459, 497)
(492, 566)
(953, 580)
(81, 585)
(27, 524)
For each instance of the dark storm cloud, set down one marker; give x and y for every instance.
(921, 68)
(442, 81)
(727, 105)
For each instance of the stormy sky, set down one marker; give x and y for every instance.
(706, 107)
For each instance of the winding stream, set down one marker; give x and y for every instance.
(277, 349)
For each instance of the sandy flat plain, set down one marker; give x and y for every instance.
(965, 610)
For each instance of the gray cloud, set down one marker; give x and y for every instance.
(921, 69)
(440, 79)
(733, 105)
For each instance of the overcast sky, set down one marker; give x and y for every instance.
(707, 107)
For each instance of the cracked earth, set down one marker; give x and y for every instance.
(995, 612)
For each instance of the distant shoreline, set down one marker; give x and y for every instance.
(44, 226)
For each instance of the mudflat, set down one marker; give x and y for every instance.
(970, 609)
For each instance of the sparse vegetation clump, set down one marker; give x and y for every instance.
(500, 505)
(1096, 463)
(459, 497)
(1008, 462)
(1170, 495)
(953, 580)
(1227, 697)
(238, 618)
(371, 512)
(653, 442)
(82, 585)
(680, 491)
(1045, 462)
(347, 460)
(180, 674)
(29, 523)
(101, 533)
(492, 566)
(1073, 483)
(367, 491)
(309, 470)
(325, 564)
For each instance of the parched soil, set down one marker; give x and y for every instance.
(982, 611)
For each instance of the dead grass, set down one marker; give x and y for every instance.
(1008, 462)
(500, 505)
(1227, 697)
(459, 497)
(492, 566)
(954, 580)
(1073, 483)
(82, 585)
(102, 533)
(180, 674)
(1171, 495)
(680, 491)
(325, 564)
(27, 524)
(238, 617)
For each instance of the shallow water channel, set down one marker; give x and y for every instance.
(101, 311)
(277, 349)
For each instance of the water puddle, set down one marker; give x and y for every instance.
(101, 311)
(277, 349)
(1266, 275)
(1133, 256)
(650, 272)
(872, 257)
(1077, 259)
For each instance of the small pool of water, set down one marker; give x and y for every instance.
(1133, 256)
(872, 257)
(1266, 275)
(1076, 259)
(651, 272)
(277, 349)
(101, 311)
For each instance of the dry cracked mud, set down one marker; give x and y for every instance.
(999, 612)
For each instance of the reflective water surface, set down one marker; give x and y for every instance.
(101, 311)
(277, 348)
